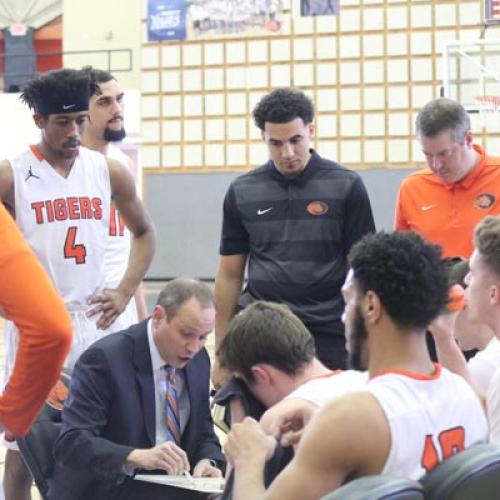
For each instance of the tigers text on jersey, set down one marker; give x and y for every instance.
(430, 418)
(65, 220)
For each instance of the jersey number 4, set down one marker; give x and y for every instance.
(73, 250)
(451, 441)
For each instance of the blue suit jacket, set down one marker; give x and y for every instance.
(110, 411)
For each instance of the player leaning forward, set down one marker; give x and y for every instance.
(59, 193)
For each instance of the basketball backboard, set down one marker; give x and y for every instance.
(471, 70)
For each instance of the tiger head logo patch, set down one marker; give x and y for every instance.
(317, 208)
(484, 201)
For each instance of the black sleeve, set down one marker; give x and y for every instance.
(358, 215)
(208, 443)
(85, 415)
(236, 388)
(234, 236)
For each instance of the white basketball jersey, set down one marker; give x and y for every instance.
(430, 418)
(323, 389)
(484, 364)
(118, 249)
(118, 252)
(65, 220)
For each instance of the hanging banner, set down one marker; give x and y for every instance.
(233, 18)
(166, 20)
(492, 12)
(307, 8)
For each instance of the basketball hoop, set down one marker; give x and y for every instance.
(489, 108)
(18, 29)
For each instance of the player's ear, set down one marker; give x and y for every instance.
(158, 314)
(260, 374)
(39, 120)
(372, 306)
(312, 129)
(468, 139)
(495, 294)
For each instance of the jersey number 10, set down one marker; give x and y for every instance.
(451, 441)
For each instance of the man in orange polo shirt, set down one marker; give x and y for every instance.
(461, 186)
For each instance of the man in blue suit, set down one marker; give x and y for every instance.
(115, 420)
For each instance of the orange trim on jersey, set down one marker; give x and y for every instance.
(417, 376)
(326, 375)
(37, 152)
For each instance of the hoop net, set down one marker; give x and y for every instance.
(489, 108)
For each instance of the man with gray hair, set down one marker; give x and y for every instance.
(444, 202)
(139, 401)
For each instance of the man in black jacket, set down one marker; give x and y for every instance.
(115, 421)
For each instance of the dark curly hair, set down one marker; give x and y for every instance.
(282, 106)
(64, 85)
(406, 272)
(98, 75)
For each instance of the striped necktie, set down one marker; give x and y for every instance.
(171, 407)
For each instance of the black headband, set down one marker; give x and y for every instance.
(57, 106)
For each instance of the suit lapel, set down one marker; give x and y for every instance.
(190, 374)
(144, 375)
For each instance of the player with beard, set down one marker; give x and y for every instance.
(104, 128)
(397, 286)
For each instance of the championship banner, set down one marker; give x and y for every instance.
(166, 20)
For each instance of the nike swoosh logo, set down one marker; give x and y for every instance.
(262, 212)
(68, 106)
(427, 207)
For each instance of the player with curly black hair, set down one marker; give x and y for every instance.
(293, 220)
(408, 276)
(65, 90)
(59, 194)
(410, 415)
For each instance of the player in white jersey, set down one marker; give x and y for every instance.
(397, 285)
(269, 348)
(56, 226)
(104, 128)
(59, 193)
(414, 406)
(483, 301)
(321, 390)
(454, 332)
